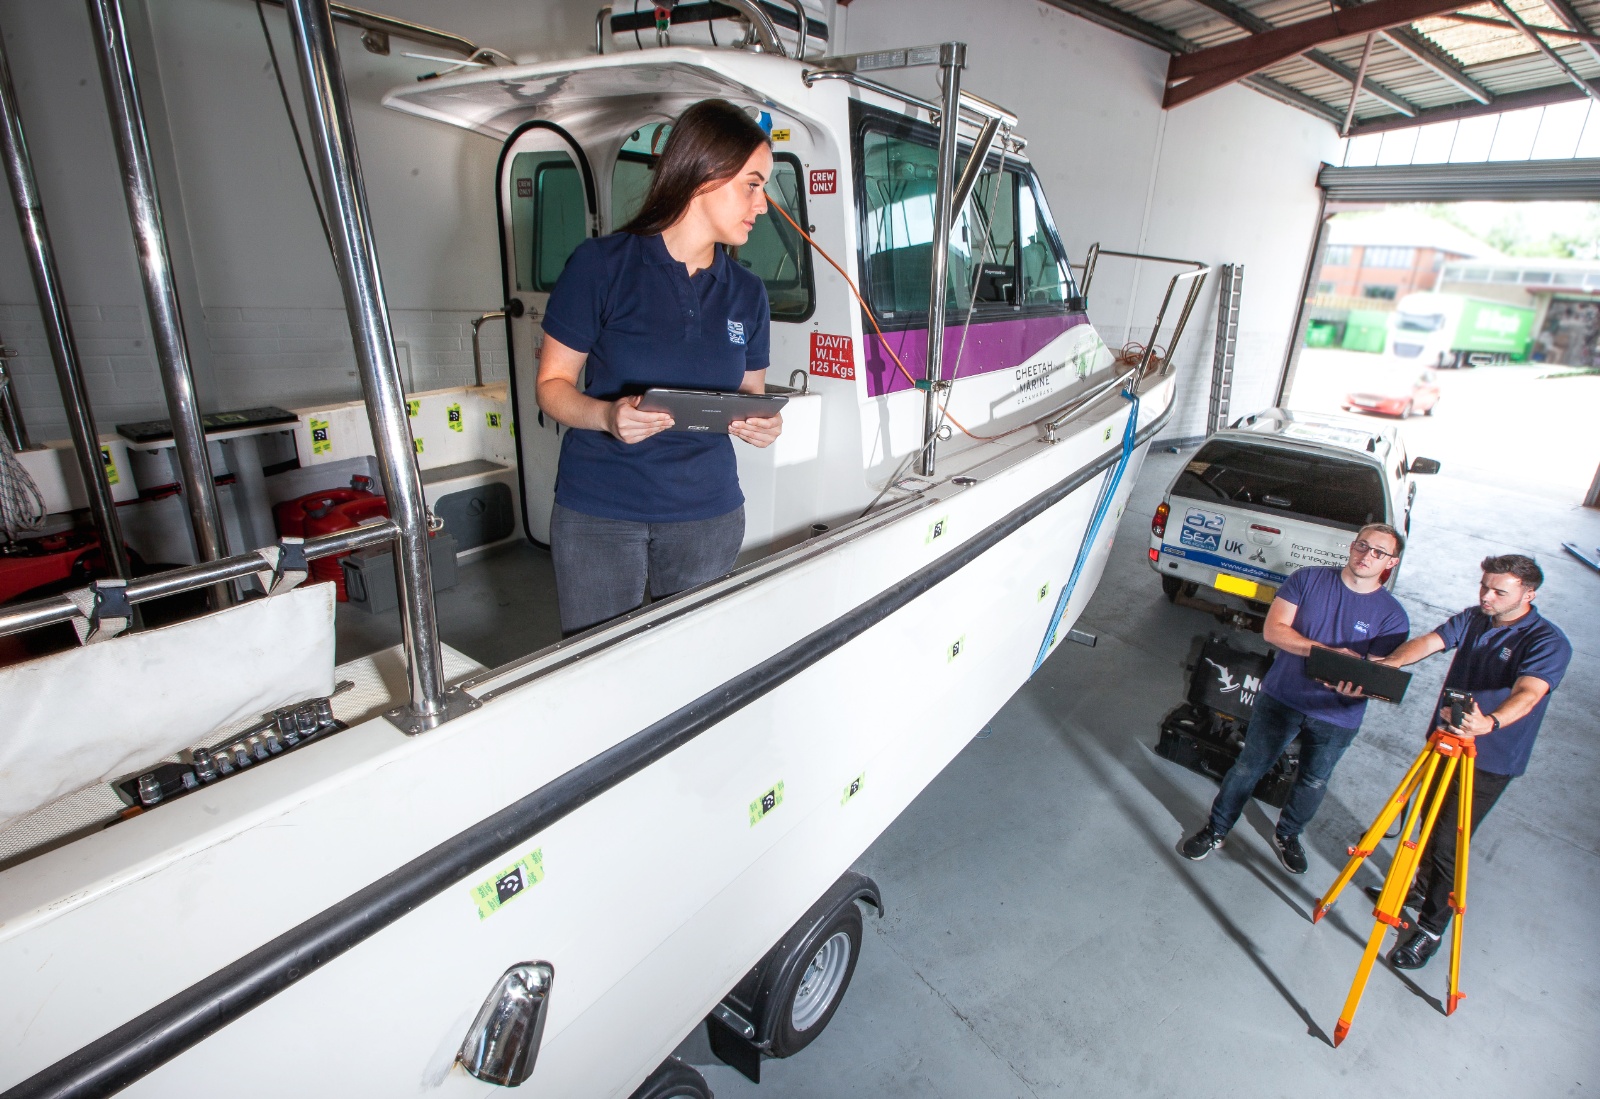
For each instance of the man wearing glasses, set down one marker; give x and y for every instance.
(1345, 609)
(1510, 658)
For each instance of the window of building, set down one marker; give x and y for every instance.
(1388, 257)
(1324, 287)
(1378, 293)
(1337, 255)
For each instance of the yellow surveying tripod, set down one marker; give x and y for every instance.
(1451, 749)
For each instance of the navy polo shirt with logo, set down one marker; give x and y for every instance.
(643, 321)
(1489, 659)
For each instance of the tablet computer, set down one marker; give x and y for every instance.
(1378, 680)
(707, 410)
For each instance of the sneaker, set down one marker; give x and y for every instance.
(1201, 844)
(1290, 853)
(1413, 899)
(1415, 951)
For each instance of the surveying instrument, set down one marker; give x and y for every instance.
(1457, 754)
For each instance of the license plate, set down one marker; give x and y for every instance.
(1248, 588)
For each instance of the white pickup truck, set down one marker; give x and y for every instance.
(1274, 492)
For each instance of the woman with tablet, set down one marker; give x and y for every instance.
(658, 304)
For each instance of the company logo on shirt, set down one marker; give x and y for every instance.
(1361, 627)
(1505, 653)
(735, 332)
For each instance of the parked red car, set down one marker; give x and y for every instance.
(1396, 391)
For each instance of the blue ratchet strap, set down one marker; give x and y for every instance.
(1108, 491)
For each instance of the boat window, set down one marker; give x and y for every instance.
(899, 178)
(1045, 279)
(549, 217)
(774, 251)
(1279, 481)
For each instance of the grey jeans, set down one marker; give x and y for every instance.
(603, 565)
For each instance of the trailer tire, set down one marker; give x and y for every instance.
(813, 990)
(673, 1079)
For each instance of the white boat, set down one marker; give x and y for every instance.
(651, 824)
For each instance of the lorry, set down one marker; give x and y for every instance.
(1449, 330)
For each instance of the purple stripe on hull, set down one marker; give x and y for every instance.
(993, 345)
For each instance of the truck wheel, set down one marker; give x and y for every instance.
(673, 1079)
(1405, 413)
(813, 990)
(1172, 585)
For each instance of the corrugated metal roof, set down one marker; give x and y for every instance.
(1497, 61)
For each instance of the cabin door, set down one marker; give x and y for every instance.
(547, 207)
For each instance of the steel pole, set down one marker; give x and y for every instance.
(155, 272)
(58, 328)
(333, 143)
(952, 59)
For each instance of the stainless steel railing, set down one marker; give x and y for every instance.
(1196, 277)
(61, 608)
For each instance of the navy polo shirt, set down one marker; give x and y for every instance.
(633, 309)
(1367, 623)
(1488, 661)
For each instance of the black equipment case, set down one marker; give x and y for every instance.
(1206, 733)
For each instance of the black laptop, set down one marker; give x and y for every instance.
(1377, 680)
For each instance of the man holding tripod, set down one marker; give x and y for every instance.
(1509, 658)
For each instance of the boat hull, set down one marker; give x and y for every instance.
(659, 891)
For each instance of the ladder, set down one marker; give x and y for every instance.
(1229, 286)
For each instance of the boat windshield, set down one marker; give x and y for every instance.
(1277, 480)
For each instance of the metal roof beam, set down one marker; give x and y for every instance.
(1131, 25)
(1192, 75)
(1293, 97)
(1250, 21)
(1419, 49)
(1569, 15)
(1508, 101)
(1550, 54)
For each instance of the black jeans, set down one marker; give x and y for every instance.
(1436, 870)
(603, 565)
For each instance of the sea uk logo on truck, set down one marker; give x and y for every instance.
(1202, 529)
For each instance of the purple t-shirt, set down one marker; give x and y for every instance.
(1329, 613)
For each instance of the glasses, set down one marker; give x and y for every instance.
(1360, 548)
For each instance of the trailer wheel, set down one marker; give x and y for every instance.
(673, 1079)
(813, 990)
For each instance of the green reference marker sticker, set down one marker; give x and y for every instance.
(854, 788)
(765, 804)
(492, 419)
(453, 414)
(494, 893)
(413, 408)
(955, 647)
(1044, 590)
(937, 528)
(417, 443)
(111, 467)
(321, 440)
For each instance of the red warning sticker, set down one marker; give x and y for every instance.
(825, 181)
(833, 356)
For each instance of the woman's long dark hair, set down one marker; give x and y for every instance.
(709, 143)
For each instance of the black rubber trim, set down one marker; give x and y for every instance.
(582, 161)
(112, 1062)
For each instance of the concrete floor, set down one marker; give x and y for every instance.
(1043, 937)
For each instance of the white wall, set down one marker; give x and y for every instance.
(1228, 178)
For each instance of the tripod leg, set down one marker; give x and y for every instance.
(1348, 1013)
(1458, 897)
(1369, 842)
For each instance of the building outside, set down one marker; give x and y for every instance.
(1563, 293)
(1370, 261)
